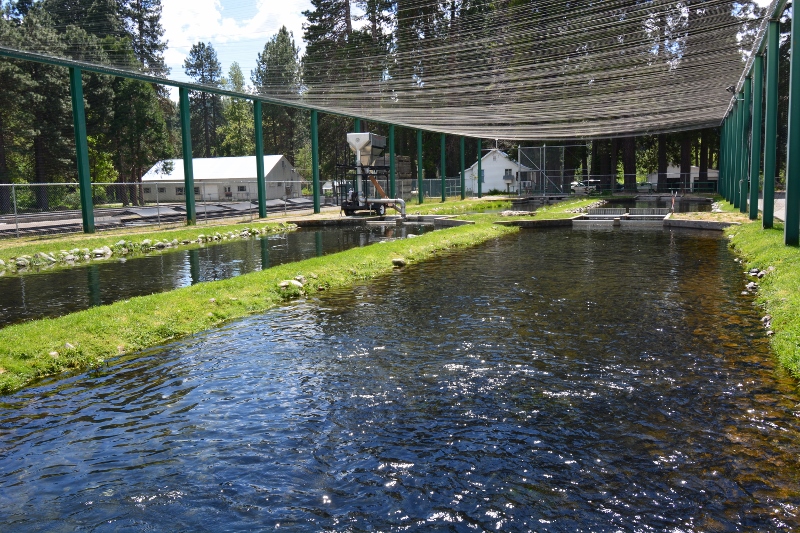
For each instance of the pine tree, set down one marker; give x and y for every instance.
(142, 20)
(237, 133)
(277, 73)
(206, 108)
(140, 133)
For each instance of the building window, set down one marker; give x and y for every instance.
(179, 191)
(146, 190)
(162, 190)
(241, 188)
(197, 190)
(227, 189)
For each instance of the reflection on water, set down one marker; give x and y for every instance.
(682, 205)
(553, 381)
(59, 292)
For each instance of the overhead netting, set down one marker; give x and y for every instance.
(509, 69)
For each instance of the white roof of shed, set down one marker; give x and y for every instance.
(214, 168)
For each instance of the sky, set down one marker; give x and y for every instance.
(238, 29)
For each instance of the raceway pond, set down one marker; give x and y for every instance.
(62, 291)
(564, 380)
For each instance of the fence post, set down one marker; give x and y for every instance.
(262, 186)
(14, 199)
(755, 146)
(791, 227)
(771, 123)
(463, 172)
(443, 171)
(745, 145)
(314, 158)
(392, 187)
(81, 149)
(420, 170)
(480, 154)
(188, 172)
(158, 207)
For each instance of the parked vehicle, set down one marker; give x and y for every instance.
(583, 187)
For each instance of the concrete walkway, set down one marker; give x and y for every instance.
(779, 208)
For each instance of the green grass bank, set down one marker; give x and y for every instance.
(85, 339)
(69, 250)
(779, 290)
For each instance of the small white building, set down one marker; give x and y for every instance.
(499, 172)
(674, 173)
(221, 179)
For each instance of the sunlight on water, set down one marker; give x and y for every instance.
(553, 381)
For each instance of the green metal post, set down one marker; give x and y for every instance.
(262, 186)
(420, 170)
(723, 153)
(755, 142)
(315, 158)
(771, 123)
(463, 171)
(392, 188)
(188, 172)
(729, 122)
(737, 148)
(480, 159)
(791, 227)
(745, 145)
(81, 149)
(442, 167)
(357, 125)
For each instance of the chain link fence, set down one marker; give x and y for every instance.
(49, 208)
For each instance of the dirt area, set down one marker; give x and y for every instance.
(716, 217)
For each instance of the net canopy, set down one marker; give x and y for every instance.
(525, 70)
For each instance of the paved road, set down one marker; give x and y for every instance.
(779, 209)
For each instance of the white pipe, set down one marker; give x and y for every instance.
(394, 201)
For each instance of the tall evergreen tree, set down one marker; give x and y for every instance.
(277, 73)
(237, 132)
(140, 133)
(142, 20)
(206, 108)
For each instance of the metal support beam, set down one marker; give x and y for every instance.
(723, 153)
(480, 160)
(392, 172)
(357, 125)
(791, 231)
(755, 142)
(442, 168)
(733, 194)
(262, 186)
(315, 158)
(188, 172)
(743, 180)
(420, 170)
(771, 123)
(463, 171)
(81, 149)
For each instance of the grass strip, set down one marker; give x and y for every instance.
(779, 290)
(85, 339)
(128, 243)
(457, 207)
